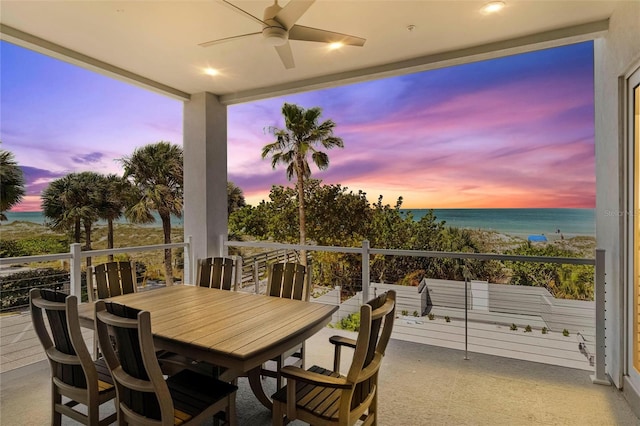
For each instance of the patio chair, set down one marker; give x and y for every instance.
(74, 374)
(144, 396)
(287, 280)
(220, 272)
(108, 280)
(324, 397)
(111, 279)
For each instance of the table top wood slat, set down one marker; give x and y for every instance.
(236, 330)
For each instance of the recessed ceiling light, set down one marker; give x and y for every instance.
(336, 45)
(492, 7)
(211, 71)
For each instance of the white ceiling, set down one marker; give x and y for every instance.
(156, 42)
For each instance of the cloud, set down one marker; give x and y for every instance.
(90, 158)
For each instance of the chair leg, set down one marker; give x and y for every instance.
(56, 399)
(278, 416)
(93, 413)
(279, 363)
(232, 416)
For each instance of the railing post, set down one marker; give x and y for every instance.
(365, 270)
(600, 376)
(256, 275)
(466, 318)
(75, 271)
(189, 267)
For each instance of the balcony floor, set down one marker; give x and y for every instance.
(419, 385)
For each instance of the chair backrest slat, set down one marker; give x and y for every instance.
(60, 337)
(113, 279)
(135, 355)
(288, 280)
(217, 272)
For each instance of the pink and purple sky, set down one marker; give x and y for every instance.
(511, 132)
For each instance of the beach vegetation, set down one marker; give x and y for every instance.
(15, 287)
(544, 330)
(33, 246)
(156, 174)
(447, 319)
(303, 137)
(513, 327)
(561, 280)
(527, 329)
(565, 332)
(431, 316)
(12, 181)
(351, 322)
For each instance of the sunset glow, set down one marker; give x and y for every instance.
(512, 132)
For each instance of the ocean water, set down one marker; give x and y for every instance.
(38, 217)
(518, 222)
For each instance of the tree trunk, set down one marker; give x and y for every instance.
(110, 237)
(168, 269)
(87, 234)
(76, 231)
(301, 212)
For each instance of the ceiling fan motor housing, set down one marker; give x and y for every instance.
(275, 36)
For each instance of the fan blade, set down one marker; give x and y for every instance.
(299, 32)
(286, 56)
(244, 12)
(290, 14)
(223, 40)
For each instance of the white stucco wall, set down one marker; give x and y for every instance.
(614, 55)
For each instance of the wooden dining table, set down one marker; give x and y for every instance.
(239, 331)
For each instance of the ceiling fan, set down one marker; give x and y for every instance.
(279, 26)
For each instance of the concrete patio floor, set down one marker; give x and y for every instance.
(419, 385)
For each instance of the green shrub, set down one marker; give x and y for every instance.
(416, 314)
(565, 332)
(15, 287)
(10, 248)
(405, 312)
(350, 322)
(45, 244)
(432, 316)
(545, 330)
(447, 319)
(513, 327)
(527, 329)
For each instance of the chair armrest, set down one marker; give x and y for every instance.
(339, 342)
(343, 341)
(297, 373)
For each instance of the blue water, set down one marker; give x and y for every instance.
(38, 217)
(519, 222)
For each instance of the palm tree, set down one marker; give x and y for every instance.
(156, 172)
(73, 201)
(59, 205)
(299, 138)
(235, 198)
(89, 203)
(114, 191)
(11, 183)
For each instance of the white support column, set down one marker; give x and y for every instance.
(205, 175)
